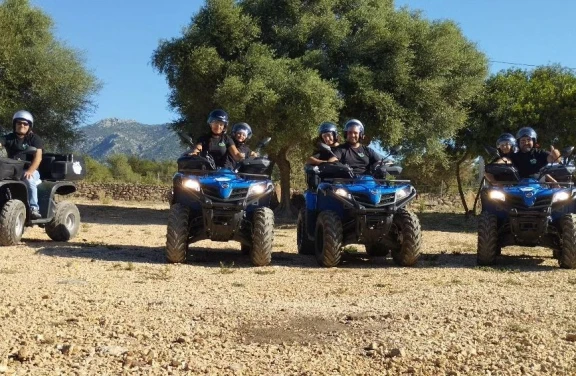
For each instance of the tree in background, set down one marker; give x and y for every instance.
(284, 66)
(543, 98)
(42, 75)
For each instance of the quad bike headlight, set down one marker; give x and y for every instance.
(256, 189)
(191, 184)
(497, 195)
(342, 192)
(560, 196)
(402, 193)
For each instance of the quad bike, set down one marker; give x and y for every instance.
(529, 212)
(343, 208)
(61, 220)
(221, 205)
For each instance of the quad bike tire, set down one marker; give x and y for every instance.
(406, 228)
(567, 257)
(65, 224)
(328, 242)
(262, 237)
(487, 249)
(305, 245)
(12, 221)
(177, 234)
(376, 249)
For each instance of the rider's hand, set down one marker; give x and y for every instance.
(28, 174)
(554, 153)
(242, 155)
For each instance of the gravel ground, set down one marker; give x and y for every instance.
(107, 304)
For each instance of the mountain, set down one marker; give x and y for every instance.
(115, 136)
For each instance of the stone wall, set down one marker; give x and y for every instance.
(122, 191)
(140, 192)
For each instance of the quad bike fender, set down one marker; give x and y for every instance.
(46, 192)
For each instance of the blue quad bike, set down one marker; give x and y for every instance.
(529, 212)
(61, 220)
(342, 208)
(221, 205)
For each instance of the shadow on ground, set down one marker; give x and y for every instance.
(218, 258)
(108, 214)
(448, 222)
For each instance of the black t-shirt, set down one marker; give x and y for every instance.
(16, 146)
(216, 146)
(242, 148)
(529, 163)
(360, 159)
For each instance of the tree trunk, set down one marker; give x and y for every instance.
(459, 180)
(285, 209)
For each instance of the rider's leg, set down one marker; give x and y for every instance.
(32, 184)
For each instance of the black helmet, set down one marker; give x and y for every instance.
(328, 127)
(22, 115)
(527, 132)
(218, 115)
(242, 127)
(506, 138)
(354, 123)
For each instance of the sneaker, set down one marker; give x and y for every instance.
(35, 213)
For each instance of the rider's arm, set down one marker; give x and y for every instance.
(36, 161)
(233, 150)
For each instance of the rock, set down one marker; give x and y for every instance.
(571, 337)
(24, 354)
(113, 350)
(396, 353)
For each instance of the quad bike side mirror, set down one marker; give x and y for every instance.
(263, 143)
(566, 153)
(395, 150)
(492, 151)
(186, 138)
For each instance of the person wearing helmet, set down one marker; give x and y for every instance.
(506, 145)
(359, 157)
(327, 134)
(529, 160)
(16, 143)
(217, 143)
(241, 133)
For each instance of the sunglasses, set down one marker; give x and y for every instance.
(23, 122)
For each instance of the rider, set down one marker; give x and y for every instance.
(506, 145)
(241, 133)
(529, 160)
(359, 157)
(217, 143)
(16, 144)
(327, 134)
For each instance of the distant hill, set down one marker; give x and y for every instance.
(115, 136)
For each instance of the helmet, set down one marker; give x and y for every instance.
(328, 127)
(354, 123)
(242, 127)
(527, 132)
(23, 115)
(218, 115)
(506, 138)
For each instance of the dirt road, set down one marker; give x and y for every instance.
(107, 304)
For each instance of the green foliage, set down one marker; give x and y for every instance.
(286, 66)
(543, 98)
(96, 172)
(129, 169)
(42, 75)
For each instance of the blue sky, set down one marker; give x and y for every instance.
(117, 38)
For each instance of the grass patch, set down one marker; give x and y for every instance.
(147, 232)
(512, 281)
(572, 281)
(350, 249)
(382, 285)
(517, 328)
(226, 269)
(265, 271)
(162, 274)
(8, 271)
(85, 226)
(237, 284)
(497, 269)
(129, 266)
